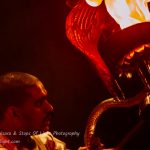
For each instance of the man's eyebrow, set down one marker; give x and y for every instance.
(41, 98)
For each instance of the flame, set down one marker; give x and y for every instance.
(128, 12)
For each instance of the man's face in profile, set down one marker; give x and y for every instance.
(37, 111)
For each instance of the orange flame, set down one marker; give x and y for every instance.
(128, 12)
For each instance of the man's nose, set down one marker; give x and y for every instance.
(48, 107)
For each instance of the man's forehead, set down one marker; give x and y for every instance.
(37, 90)
(41, 87)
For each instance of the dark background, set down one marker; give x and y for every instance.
(33, 40)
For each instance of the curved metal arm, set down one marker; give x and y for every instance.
(103, 106)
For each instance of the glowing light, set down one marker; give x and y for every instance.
(139, 49)
(128, 12)
(94, 3)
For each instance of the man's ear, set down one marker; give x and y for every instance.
(12, 112)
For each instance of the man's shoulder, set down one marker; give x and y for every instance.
(46, 139)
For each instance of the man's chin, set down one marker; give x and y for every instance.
(47, 128)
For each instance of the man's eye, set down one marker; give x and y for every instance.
(39, 103)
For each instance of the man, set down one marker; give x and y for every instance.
(25, 114)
